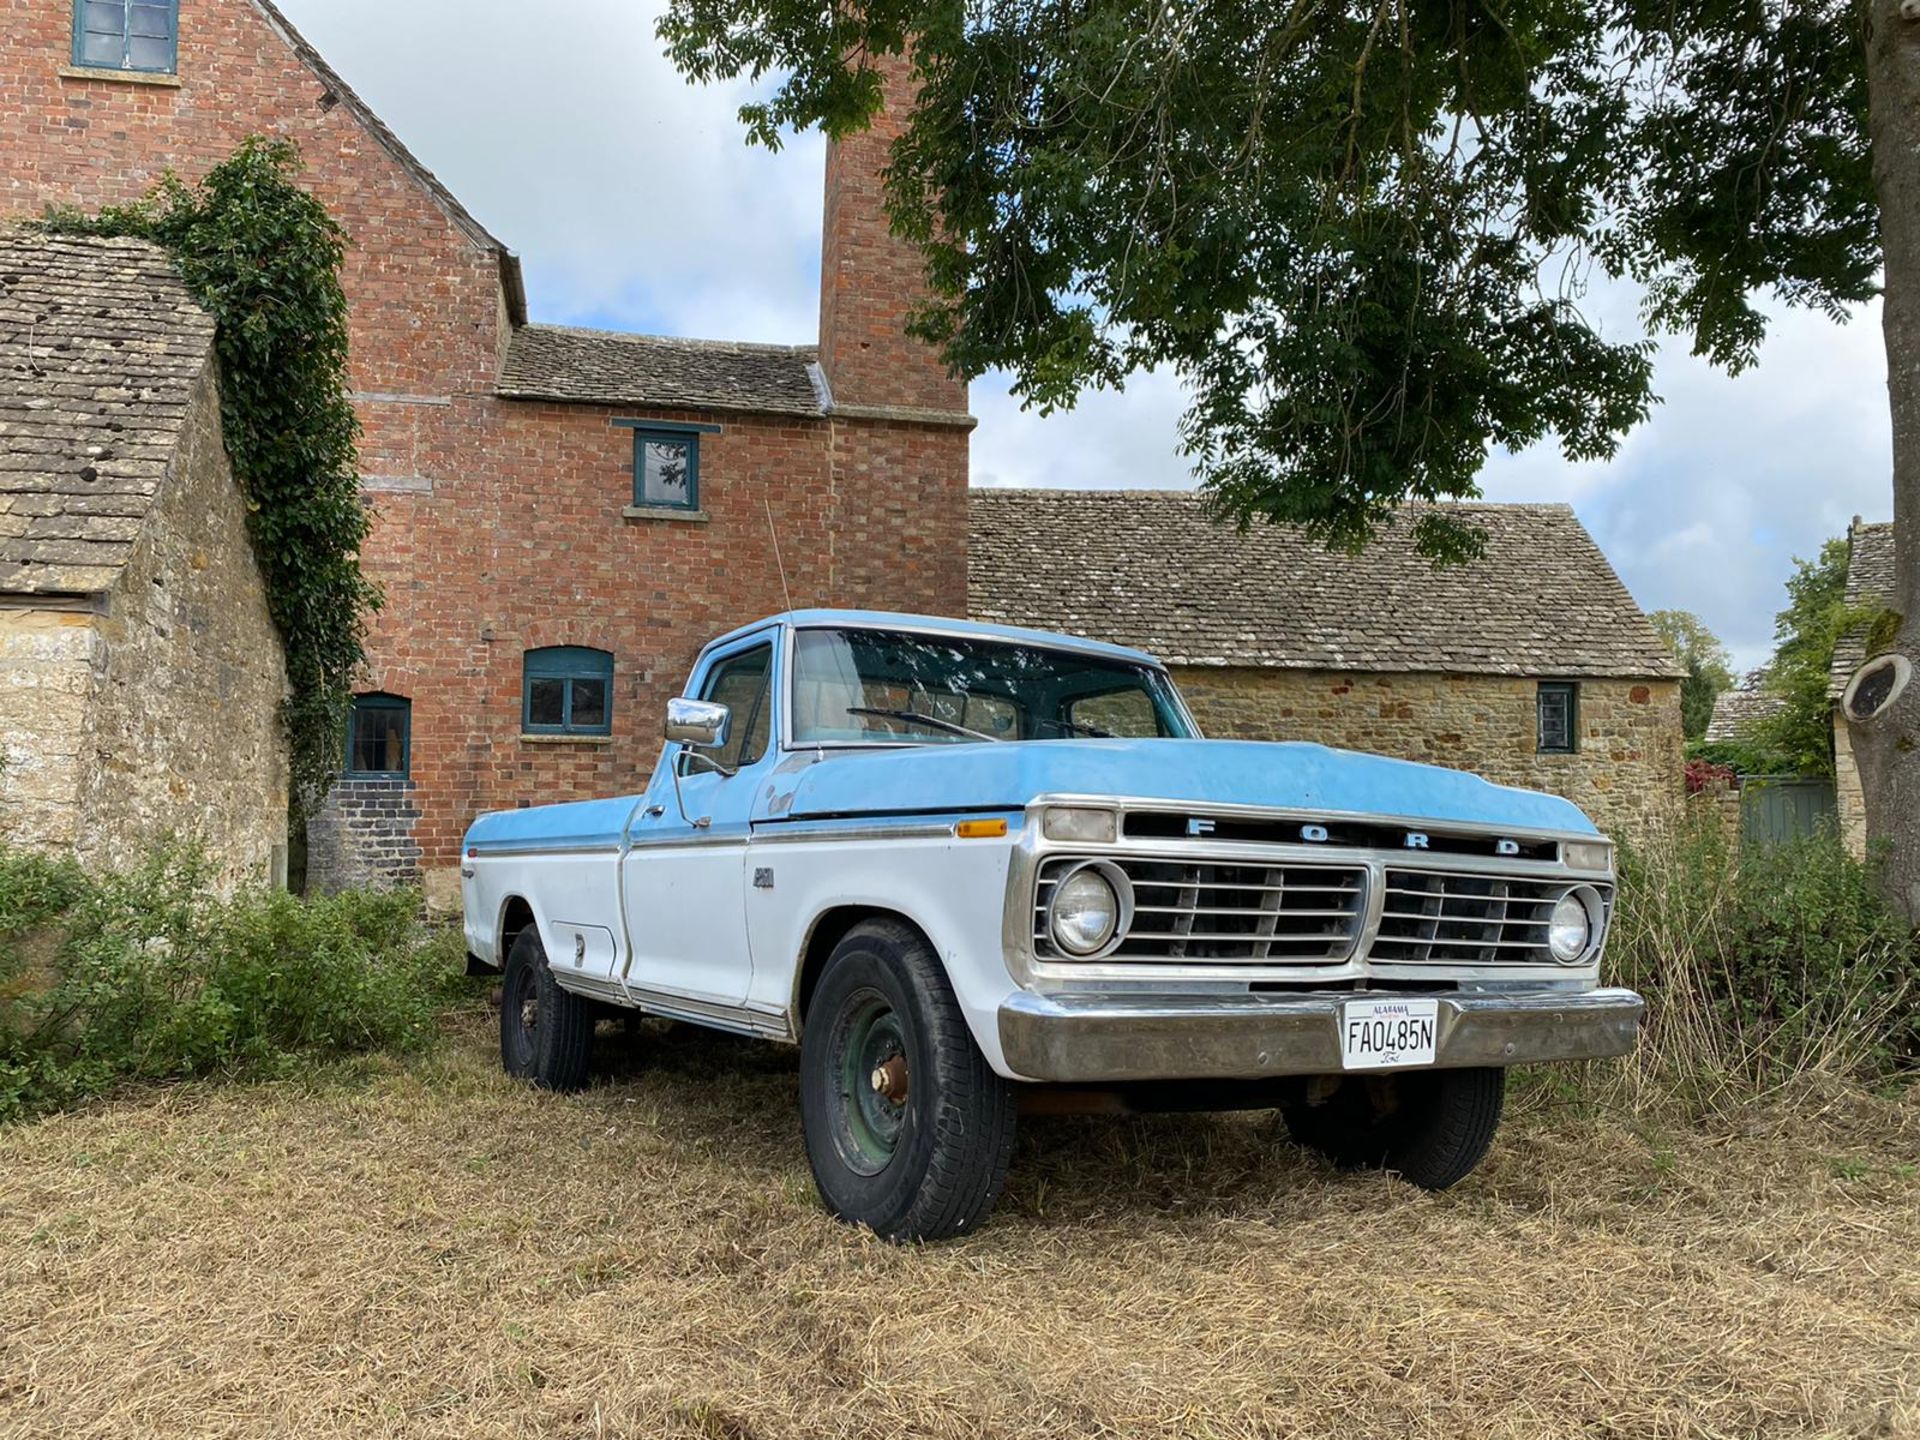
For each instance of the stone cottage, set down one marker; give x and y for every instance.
(1738, 709)
(562, 517)
(140, 673)
(1532, 666)
(1870, 586)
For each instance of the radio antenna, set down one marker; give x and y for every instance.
(774, 531)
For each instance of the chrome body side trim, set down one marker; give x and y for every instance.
(522, 851)
(1104, 1039)
(733, 834)
(804, 832)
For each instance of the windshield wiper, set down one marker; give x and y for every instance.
(1076, 728)
(914, 717)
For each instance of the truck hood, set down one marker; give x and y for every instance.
(1280, 775)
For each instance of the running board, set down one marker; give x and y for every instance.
(734, 1019)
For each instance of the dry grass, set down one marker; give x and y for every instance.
(428, 1250)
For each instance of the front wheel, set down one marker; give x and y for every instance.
(1431, 1127)
(908, 1129)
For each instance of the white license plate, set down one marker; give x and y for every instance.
(1379, 1034)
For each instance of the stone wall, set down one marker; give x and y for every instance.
(1626, 771)
(184, 733)
(1850, 800)
(47, 658)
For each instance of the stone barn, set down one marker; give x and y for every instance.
(141, 675)
(1532, 666)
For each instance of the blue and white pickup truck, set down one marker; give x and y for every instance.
(968, 867)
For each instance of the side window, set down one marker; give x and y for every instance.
(567, 690)
(126, 35)
(740, 682)
(1558, 717)
(1126, 713)
(379, 737)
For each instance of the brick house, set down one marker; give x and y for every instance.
(140, 672)
(562, 516)
(1532, 666)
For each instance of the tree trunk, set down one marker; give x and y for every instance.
(1888, 746)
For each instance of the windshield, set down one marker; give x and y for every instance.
(868, 687)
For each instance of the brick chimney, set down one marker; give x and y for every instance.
(870, 280)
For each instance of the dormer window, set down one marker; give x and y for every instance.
(137, 35)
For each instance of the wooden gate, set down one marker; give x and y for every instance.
(1779, 809)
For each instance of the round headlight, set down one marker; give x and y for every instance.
(1570, 927)
(1084, 912)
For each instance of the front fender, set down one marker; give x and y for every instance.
(951, 889)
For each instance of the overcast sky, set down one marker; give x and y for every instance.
(635, 204)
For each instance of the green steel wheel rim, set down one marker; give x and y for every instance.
(869, 1075)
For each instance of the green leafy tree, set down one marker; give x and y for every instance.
(1359, 231)
(1709, 667)
(1798, 736)
(263, 256)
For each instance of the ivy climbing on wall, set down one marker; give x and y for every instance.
(264, 256)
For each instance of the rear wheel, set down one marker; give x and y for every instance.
(546, 1033)
(1431, 1127)
(908, 1129)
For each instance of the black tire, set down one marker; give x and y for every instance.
(546, 1033)
(923, 1156)
(519, 998)
(1431, 1127)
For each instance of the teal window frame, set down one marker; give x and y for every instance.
(381, 701)
(1571, 690)
(568, 663)
(126, 8)
(679, 433)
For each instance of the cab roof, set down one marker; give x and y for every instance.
(939, 624)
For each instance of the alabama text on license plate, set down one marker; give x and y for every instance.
(1375, 1034)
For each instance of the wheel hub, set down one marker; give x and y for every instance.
(889, 1080)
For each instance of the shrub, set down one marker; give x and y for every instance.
(148, 974)
(1758, 969)
(1705, 774)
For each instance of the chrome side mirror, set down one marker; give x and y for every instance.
(697, 722)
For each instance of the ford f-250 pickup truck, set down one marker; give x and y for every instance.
(962, 865)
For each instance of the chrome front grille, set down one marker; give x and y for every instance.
(1430, 917)
(1226, 913)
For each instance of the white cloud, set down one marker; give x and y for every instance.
(630, 194)
(635, 203)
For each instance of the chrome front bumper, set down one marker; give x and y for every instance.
(1098, 1038)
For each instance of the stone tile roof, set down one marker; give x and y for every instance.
(100, 345)
(339, 90)
(1735, 710)
(604, 367)
(1151, 569)
(1869, 582)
